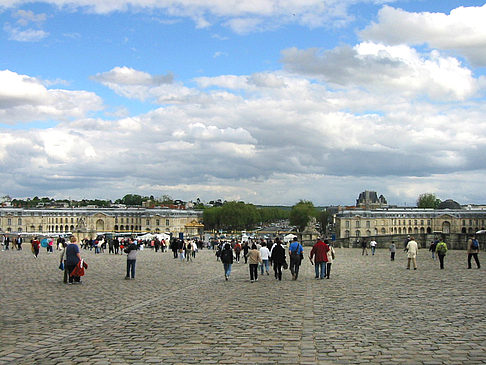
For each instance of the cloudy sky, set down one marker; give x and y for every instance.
(266, 101)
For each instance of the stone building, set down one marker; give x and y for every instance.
(89, 222)
(396, 221)
(370, 200)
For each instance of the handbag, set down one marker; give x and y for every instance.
(61, 266)
(285, 265)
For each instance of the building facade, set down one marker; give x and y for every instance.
(370, 223)
(89, 222)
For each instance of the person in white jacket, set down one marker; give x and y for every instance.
(412, 249)
(331, 255)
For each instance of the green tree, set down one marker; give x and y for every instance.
(301, 213)
(323, 220)
(428, 200)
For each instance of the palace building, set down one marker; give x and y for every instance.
(90, 222)
(398, 221)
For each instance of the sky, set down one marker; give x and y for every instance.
(265, 101)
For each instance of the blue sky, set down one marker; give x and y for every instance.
(267, 101)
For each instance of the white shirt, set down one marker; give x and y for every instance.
(265, 253)
(373, 243)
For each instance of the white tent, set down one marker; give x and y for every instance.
(289, 237)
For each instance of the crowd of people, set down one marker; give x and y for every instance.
(263, 254)
(259, 254)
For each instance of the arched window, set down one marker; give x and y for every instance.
(100, 225)
(358, 233)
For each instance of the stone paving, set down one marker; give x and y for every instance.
(372, 310)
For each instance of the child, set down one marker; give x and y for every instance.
(393, 249)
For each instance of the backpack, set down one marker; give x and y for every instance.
(441, 248)
(474, 245)
(226, 256)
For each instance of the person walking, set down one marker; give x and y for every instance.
(18, 241)
(246, 248)
(265, 254)
(331, 255)
(278, 259)
(473, 251)
(432, 247)
(73, 256)
(441, 250)
(35, 247)
(373, 247)
(364, 247)
(131, 251)
(226, 257)
(296, 252)
(412, 250)
(318, 258)
(237, 250)
(254, 258)
(393, 250)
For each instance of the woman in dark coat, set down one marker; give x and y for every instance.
(278, 259)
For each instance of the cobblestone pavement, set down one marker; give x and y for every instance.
(372, 310)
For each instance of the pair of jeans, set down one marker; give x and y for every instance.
(373, 248)
(392, 256)
(227, 269)
(294, 266)
(266, 264)
(131, 268)
(253, 271)
(469, 256)
(320, 266)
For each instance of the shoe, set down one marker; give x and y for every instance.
(408, 268)
(415, 268)
(251, 281)
(268, 273)
(317, 277)
(256, 279)
(127, 277)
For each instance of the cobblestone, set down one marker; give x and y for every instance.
(372, 310)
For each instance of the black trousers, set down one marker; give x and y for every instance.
(294, 266)
(469, 256)
(328, 269)
(253, 271)
(277, 268)
(441, 260)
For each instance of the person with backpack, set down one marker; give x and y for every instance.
(473, 251)
(296, 253)
(131, 252)
(441, 250)
(226, 257)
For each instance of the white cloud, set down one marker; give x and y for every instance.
(268, 137)
(390, 69)
(463, 30)
(240, 16)
(24, 98)
(24, 35)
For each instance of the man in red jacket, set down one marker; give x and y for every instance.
(319, 254)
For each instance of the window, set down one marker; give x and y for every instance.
(421, 222)
(368, 224)
(147, 222)
(463, 222)
(157, 222)
(9, 221)
(347, 225)
(20, 221)
(167, 222)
